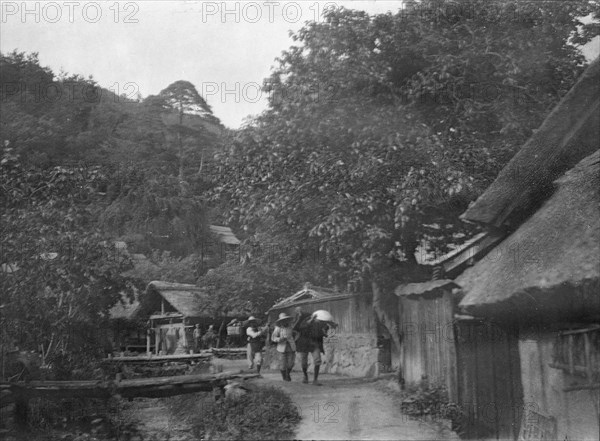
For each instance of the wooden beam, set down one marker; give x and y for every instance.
(167, 315)
(159, 358)
(471, 254)
(138, 387)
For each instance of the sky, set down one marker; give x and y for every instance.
(226, 49)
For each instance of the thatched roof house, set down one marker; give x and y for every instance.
(168, 299)
(524, 304)
(549, 266)
(543, 277)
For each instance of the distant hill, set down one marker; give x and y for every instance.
(53, 120)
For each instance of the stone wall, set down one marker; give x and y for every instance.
(355, 355)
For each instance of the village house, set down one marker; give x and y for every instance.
(519, 310)
(172, 310)
(542, 279)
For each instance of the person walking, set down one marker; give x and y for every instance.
(312, 329)
(283, 335)
(256, 342)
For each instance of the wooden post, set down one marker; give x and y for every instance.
(588, 358)
(156, 339)
(571, 363)
(148, 341)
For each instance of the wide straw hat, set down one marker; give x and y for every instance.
(282, 316)
(252, 319)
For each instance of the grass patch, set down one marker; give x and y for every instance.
(265, 413)
(74, 419)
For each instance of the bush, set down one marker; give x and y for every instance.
(432, 401)
(69, 413)
(266, 413)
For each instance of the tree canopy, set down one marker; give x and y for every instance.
(60, 274)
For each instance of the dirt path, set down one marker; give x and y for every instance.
(345, 408)
(341, 409)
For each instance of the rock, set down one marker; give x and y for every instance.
(234, 391)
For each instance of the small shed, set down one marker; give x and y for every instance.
(426, 312)
(353, 348)
(172, 310)
(226, 245)
(224, 234)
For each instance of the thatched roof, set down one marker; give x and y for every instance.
(224, 234)
(425, 288)
(189, 300)
(310, 294)
(568, 134)
(550, 265)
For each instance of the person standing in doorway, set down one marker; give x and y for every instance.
(283, 335)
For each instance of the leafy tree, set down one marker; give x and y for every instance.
(378, 132)
(189, 120)
(42, 115)
(60, 275)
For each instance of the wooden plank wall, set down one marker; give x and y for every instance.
(429, 346)
(489, 381)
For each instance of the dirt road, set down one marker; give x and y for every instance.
(341, 409)
(345, 408)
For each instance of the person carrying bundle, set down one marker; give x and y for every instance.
(312, 330)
